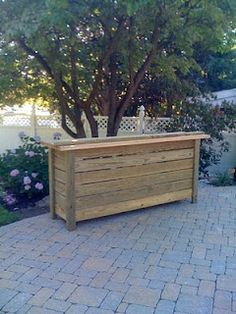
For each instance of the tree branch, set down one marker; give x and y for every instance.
(104, 58)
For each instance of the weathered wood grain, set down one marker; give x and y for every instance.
(132, 171)
(125, 206)
(130, 160)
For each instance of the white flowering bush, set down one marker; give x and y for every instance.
(24, 171)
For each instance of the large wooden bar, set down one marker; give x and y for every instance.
(97, 177)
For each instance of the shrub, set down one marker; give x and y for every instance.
(202, 116)
(222, 179)
(24, 171)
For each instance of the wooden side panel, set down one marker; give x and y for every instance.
(119, 207)
(104, 175)
(195, 171)
(60, 183)
(130, 160)
(90, 201)
(101, 181)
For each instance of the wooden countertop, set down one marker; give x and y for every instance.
(81, 144)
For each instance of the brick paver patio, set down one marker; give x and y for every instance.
(176, 258)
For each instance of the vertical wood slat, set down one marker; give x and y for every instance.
(70, 190)
(195, 170)
(51, 171)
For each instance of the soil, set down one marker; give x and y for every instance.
(35, 208)
(30, 208)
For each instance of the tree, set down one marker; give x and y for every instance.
(88, 56)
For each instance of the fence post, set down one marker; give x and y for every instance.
(142, 120)
(85, 123)
(33, 122)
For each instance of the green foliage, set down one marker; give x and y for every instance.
(7, 217)
(222, 179)
(198, 115)
(24, 171)
(54, 29)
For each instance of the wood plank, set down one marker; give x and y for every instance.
(126, 141)
(133, 183)
(51, 173)
(59, 163)
(87, 202)
(132, 149)
(130, 160)
(132, 171)
(60, 212)
(60, 200)
(119, 207)
(70, 191)
(195, 171)
(60, 175)
(60, 187)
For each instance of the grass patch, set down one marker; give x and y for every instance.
(7, 217)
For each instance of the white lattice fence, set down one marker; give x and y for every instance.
(45, 125)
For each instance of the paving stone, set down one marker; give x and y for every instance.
(227, 283)
(64, 291)
(88, 296)
(40, 310)
(97, 264)
(141, 309)
(6, 295)
(194, 304)
(143, 296)
(17, 302)
(135, 281)
(117, 286)
(47, 283)
(171, 292)
(162, 274)
(173, 245)
(120, 274)
(223, 300)
(8, 284)
(122, 307)
(112, 300)
(57, 305)
(218, 267)
(100, 280)
(165, 307)
(41, 296)
(28, 288)
(206, 288)
(77, 309)
(94, 310)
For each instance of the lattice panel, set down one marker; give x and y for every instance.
(49, 121)
(102, 122)
(129, 124)
(156, 125)
(19, 120)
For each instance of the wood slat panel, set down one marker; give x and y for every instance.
(86, 202)
(60, 187)
(130, 205)
(132, 149)
(60, 200)
(130, 160)
(60, 212)
(127, 183)
(59, 163)
(60, 175)
(133, 171)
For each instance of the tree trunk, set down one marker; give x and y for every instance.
(92, 122)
